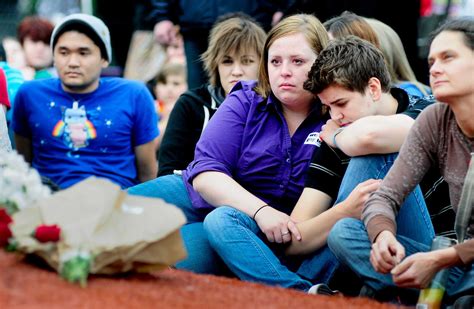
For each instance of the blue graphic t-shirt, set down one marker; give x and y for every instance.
(75, 136)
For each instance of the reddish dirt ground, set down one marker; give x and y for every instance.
(23, 285)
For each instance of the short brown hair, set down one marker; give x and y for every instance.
(350, 63)
(233, 35)
(306, 24)
(36, 28)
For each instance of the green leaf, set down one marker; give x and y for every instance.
(76, 270)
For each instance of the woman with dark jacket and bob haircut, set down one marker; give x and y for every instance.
(233, 54)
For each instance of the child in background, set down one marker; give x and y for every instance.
(170, 83)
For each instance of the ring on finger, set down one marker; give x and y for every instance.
(285, 233)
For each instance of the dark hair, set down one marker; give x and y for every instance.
(349, 62)
(87, 31)
(465, 25)
(36, 28)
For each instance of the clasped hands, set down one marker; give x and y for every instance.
(415, 271)
(277, 226)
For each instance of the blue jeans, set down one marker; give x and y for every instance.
(242, 246)
(201, 257)
(413, 219)
(350, 243)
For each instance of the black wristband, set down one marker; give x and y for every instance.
(266, 205)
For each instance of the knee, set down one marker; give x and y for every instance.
(217, 220)
(143, 189)
(342, 232)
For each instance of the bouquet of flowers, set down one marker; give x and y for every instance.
(21, 185)
(91, 228)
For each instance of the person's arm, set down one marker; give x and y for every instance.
(180, 137)
(24, 147)
(147, 167)
(416, 156)
(370, 135)
(144, 132)
(220, 189)
(217, 159)
(315, 220)
(376, 134)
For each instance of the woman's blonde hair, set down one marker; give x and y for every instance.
(308, 25)
(235, 35)
(392, 47)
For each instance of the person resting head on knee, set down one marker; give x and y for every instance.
(442, 137)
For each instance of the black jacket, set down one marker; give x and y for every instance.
(187, 120)
(193, 15)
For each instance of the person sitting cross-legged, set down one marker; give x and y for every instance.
(442, 137)
(352, 80)
(249, 165)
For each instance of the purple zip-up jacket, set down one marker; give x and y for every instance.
(248, 139)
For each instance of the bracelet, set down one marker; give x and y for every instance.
(266, 205)
(334, 136)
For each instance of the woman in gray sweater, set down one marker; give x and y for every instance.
(443, 136)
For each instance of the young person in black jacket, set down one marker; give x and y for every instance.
(234, 51)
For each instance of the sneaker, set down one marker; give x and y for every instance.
(322, 289)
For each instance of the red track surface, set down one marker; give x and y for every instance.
(23, 285)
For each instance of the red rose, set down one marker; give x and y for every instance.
(5, 234)
(4, 216)
(46, 233)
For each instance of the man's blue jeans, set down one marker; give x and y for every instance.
(413, 219)
(201, 257)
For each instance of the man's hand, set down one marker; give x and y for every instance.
(386, 252)
(327, 131)
(276, 225)
(165, 32)
(352, 206)
(417, 270)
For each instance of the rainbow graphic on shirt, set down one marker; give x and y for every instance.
(59, 128)
(90, 129)
(74, 128)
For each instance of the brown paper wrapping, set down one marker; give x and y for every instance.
(122, 232)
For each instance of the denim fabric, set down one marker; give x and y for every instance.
(242, 246)
(201, 257)
(349, 241)
(413, 220)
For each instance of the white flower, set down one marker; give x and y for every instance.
(20, 185)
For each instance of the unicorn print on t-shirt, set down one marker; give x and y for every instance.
(75, 129)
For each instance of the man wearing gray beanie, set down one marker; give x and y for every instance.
(81, 125)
